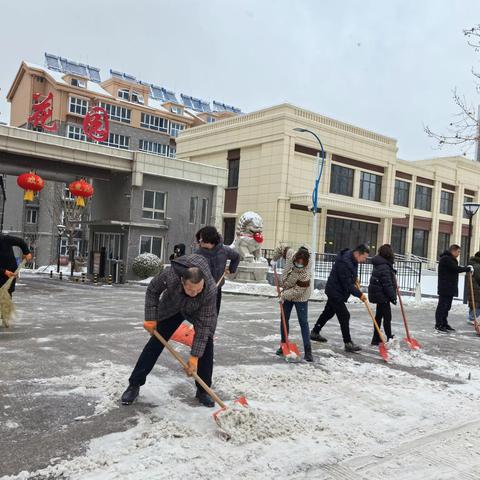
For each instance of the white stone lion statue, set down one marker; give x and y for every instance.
(249, 238)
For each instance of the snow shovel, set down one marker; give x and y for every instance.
(472, 294)
(241, 400)
(7, 307)
(289, 350)
(382, 348)
(184, 334)
(412, 343)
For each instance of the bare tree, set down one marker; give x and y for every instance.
(464, 128)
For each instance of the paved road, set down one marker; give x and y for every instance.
(64, 327)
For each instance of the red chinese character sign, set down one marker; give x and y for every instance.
(42, 113)
(95, 124)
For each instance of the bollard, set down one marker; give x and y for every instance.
(109, 280)
(418, 294)
(61, 275)
(95, 278)
(51, 273)
(84, 277)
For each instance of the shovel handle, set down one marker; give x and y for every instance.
(472, 294)
(372, 316)
(402, 309)
(180, 360)
(282, 311)
(220, 279)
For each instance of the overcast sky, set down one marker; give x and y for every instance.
(389, 66)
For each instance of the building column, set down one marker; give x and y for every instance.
(322, 228)
(282, 220)
(218, 196)
(411, 204)
(457, 217)
(433, 237)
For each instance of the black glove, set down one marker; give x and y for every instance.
(394, 301)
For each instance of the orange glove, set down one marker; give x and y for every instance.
(192, 366)
(150, 325)
(363, 298)
(9, 274)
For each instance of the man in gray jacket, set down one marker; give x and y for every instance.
(185, 291)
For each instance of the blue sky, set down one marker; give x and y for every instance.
(389, 66)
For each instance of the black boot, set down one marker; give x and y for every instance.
(130, 394)
(279, 352)
(205, 399)
(308, 354)
(316, 337)
(351, 347)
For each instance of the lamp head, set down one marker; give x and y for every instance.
(298, 129)
(471, 208)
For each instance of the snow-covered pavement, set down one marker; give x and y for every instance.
(67, 358)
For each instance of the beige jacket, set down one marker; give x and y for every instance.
(296, 282)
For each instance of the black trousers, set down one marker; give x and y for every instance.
(340, 310)
(441, 313)
(154, 348)
(384, 312)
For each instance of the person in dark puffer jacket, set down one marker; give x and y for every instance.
(341, 283)
(217, 255)
(382, 290)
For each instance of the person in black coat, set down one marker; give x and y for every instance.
(178, 251)
(217, 255)
(448, 270)
(341, 284)
(382, 290)
(8, 262)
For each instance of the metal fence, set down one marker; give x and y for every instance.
(409, 272)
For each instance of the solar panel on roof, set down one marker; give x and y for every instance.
(222, 107)
(187, 101)
(94, 74)
(52, 62)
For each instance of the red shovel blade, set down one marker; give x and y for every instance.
(184, 334)
(412, 343)
(288, 348)
(240, 400)
(383, 351)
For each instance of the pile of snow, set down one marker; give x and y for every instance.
(46, 269)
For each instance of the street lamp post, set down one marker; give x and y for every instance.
(470, 209)
(318, 175)
(61, 230)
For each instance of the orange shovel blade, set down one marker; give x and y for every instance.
(412, 343)
(383, 351)
(240, 400)
(288, 348)
(184, 334)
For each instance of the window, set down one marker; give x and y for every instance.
(118, 141)
(443, 243)
(137, 97)
(150, 244)
(423, 198)
(211, 119)
(154, 147)
(420, 243)
(75, 82)
(124, 94)
(399, 238)
(31, 215)
(233, 171)
(466, 200)
(176, 128)
(228, 230)
(78, 106)
(204, 213)
(154, 205)
(446, 202)
(64, 250)
(401, 195)
(370, 186)
(193, 209)
(341, 180)
(116, 112)
(76, 133)
(172, 151)
(343, 233)
(176, 109)
(153, 122)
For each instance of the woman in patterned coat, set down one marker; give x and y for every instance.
(296, 290)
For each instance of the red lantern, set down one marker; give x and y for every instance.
(31, 183)
(81, 190)
(258, 237)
